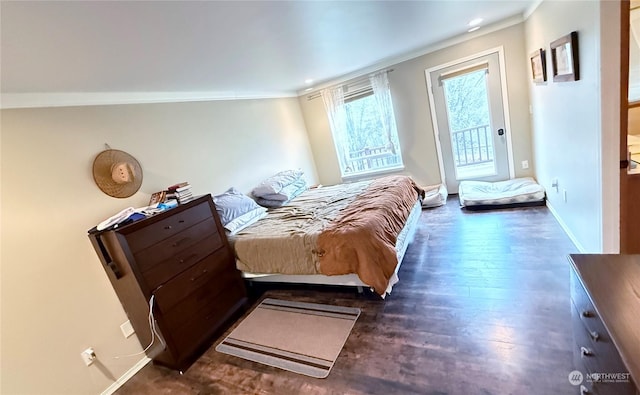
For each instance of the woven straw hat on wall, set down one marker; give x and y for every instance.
(117, 173)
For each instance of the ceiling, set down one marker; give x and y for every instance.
(223, 48)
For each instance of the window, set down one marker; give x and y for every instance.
(363, 127)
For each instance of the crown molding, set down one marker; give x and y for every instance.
(71, 99)
(532, 9)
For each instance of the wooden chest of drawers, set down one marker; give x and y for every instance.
(605, 312)
(180, 262)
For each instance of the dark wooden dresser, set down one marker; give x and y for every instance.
(180, 262)
(605, 297)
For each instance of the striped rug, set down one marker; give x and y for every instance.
(304, 338)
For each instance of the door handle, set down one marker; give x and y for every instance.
(500, 132)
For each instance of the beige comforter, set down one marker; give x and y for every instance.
(342, 229)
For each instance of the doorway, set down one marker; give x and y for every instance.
(469, 112)
(629, 94)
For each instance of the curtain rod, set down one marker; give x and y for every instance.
(354, 81)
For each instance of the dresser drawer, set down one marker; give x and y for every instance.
(148, 258)
(612, 388)
(209, 319)
(171, 267)
(172, 292)
(594, 344)
(152, 234)
(595, 384)
(201, 298)
(590, 333)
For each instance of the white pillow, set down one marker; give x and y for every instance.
(276, 182)
(233, 204)
(245, 220)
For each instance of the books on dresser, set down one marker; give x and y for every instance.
(181, 192)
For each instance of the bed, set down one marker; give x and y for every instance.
(351, 234)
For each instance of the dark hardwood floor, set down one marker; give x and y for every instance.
(482, 307)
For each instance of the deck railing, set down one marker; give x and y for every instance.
(472, 146)
(370, 159)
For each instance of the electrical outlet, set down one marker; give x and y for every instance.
(88, 356)
(127, 329)
(525, 164)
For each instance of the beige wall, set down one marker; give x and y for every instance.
(413, 117)
(634, 120)
(568, 119)
(56, 298)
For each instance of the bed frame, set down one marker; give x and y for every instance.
(405, 237)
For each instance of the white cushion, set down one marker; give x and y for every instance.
(517, 190)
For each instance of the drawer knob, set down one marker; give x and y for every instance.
(177, 243)
(187, 258)
(167, 227)
(594, 335)
(587, 313)
(584, 390)
(586, 352)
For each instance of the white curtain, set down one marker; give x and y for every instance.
(333, 99)
(382, 93)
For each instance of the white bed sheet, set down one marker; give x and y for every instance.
(405, 237)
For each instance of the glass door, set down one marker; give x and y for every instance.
(470, 121)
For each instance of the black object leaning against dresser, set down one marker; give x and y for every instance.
(181, 258)
(605, 312)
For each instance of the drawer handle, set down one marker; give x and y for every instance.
(183, 260)
(177, 243)
(584, 390)
(587, 313)
(167, 227)
(586, 352)
(181, 221)
(200, 275)
(594, 335)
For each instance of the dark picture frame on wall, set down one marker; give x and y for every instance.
(538, 63)
(564, 58)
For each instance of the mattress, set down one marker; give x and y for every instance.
(346, 229)
(515, 192)
(405, 238)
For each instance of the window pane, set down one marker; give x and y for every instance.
(467, 101)
(369, 147)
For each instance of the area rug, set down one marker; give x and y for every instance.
(304, 338)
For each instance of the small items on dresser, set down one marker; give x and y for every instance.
(605, 313)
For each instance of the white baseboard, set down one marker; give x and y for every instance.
(126, 376)
(566, 229)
